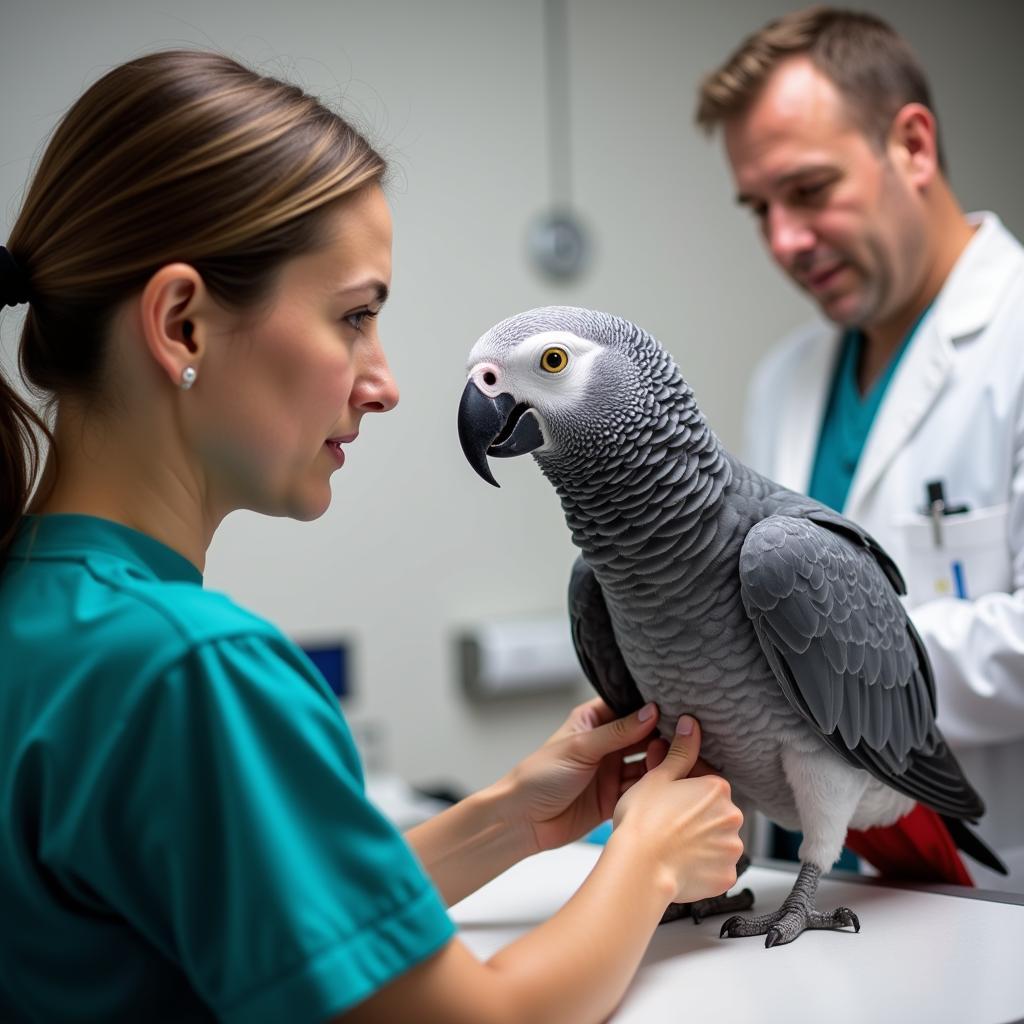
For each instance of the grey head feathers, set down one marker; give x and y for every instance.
(619, 417)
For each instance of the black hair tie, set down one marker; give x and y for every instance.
(13, 280)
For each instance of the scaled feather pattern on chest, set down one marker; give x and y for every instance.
(712, 590)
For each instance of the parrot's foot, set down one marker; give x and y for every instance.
(723, 904)
(786, 923)
(700, 909)
(796, 915)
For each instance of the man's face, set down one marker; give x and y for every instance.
(840, 217)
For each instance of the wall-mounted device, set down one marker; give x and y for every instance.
(520, 656)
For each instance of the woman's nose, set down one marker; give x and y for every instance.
(375, 389)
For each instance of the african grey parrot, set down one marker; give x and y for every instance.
(711, 590)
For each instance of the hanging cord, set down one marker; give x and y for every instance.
(556, 52)
(558, 243)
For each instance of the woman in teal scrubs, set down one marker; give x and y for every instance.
(183, 829)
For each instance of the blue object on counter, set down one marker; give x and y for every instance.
(600, 834)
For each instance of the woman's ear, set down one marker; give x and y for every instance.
(173, 321)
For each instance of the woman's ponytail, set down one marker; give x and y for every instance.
(20, 425)
(21, 451)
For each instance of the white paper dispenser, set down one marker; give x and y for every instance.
(518, 656)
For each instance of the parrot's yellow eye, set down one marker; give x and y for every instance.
(554, 360)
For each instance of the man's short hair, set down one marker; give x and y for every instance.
(868, 62)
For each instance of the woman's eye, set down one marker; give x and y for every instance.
(554, 360)
(358, 319)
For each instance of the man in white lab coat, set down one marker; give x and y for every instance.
(905, 410)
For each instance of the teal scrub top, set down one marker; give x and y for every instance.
(848, 419)
(184, 833)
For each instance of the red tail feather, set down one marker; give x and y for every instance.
(917, 848)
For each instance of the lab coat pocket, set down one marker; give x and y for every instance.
(972, 559)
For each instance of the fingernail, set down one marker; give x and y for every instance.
(646, 713)
(684, 727)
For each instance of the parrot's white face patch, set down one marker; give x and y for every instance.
(547, 370)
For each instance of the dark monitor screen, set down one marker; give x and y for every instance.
(332, 661)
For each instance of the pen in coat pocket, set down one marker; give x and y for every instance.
(959, 582)
(936, 507)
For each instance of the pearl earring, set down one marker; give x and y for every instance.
(188, 378)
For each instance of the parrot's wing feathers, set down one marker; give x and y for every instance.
(859, 537)
(595, 642)
(822, 598)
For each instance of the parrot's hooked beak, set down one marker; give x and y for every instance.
(497, 426)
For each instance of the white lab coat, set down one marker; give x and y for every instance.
(953, 411)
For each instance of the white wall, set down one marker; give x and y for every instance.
(415, 544)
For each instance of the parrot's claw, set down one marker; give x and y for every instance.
(786, 923)
(743, 900)
(710, 907)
